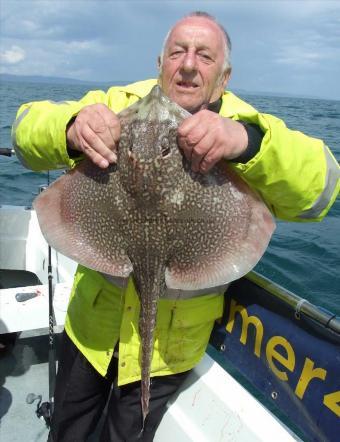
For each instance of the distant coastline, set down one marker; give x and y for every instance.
(11, 78)
(51, 80)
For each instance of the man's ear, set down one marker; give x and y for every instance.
(226, 77)
(159, 63)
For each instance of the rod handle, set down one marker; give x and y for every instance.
(6, 151)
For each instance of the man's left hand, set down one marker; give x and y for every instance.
(206, 138)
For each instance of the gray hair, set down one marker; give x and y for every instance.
(227, 41)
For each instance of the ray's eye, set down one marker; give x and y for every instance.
(165, 145)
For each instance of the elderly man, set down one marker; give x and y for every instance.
(296, 175)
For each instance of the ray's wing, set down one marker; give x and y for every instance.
(77, 217)
(222, 243)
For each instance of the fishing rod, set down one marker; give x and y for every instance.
(44, 410)
(6, 151)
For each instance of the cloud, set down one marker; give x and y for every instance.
(309, 48)
(299, 55)
(51, 58)
(13, 55)
(274, 43)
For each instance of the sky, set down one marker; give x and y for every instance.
(279, 46)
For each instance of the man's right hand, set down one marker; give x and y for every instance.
(95, 132)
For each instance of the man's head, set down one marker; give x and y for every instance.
(194, 64)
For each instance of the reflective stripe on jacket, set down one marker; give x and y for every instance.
(296, 175)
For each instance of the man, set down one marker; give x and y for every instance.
(296, 175)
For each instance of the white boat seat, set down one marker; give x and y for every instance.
(33, 313)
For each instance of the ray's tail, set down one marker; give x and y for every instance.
(147, 324)
(150, 285)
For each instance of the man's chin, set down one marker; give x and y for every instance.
(193, 107)
(187, 102)
(188, 99)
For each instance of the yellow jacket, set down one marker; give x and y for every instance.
(296, 175)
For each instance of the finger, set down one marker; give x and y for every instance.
(209, 160)
(185, 147)
(196, 160)
(201, 150)
(108, 135)
(190, 141)
(93, 147)
(188, 124)
(111, 123)
(94, 156)
(102, 121)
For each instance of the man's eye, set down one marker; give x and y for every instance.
(176, 53)
(205, 57)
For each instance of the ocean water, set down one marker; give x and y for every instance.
(302, 257)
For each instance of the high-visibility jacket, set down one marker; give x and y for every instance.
(296, 175)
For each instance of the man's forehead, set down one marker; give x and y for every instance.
(197, 27)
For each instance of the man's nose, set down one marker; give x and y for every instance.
(189, 62)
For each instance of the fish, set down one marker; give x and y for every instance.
(151, 217)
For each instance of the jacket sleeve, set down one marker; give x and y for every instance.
(296, 175)
(39, 131)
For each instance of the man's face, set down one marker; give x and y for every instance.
(192, 69)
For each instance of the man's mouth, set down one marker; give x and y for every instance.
(187, 84)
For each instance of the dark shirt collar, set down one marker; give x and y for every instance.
(215, 106)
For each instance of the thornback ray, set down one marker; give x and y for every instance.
(150, 216)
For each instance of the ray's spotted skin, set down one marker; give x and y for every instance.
(151, 216)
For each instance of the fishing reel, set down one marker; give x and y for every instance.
(43, 410)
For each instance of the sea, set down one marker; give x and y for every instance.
(302, 257)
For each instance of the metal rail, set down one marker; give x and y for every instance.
(298, 304)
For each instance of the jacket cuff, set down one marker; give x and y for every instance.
(72, 153)
(255, 137)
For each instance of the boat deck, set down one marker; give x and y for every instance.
(24, 370)
(199, 412)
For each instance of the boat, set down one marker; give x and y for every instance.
(270, 371)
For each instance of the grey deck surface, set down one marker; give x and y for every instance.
(24, 370)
